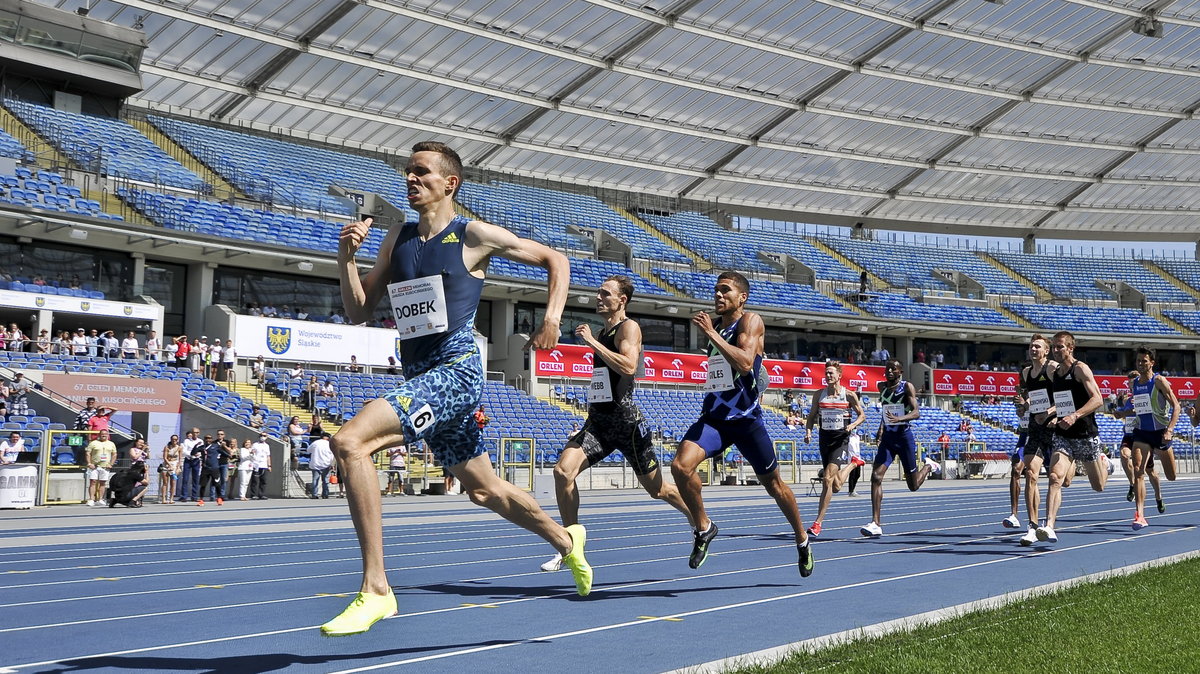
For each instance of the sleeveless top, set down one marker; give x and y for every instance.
(413, 258)
(834, 405)
(895, 396)
(1085, 426)
(1157, 418)
(621, 385)
(1039, 383)
(740, 401)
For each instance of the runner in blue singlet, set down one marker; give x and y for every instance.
(1157, 411)
(432, 274)
(732, 416)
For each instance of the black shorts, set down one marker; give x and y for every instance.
(834, 447)
(1153, 439)
(623, 429)
(1039, 442)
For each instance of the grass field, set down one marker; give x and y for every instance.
(1144, 622)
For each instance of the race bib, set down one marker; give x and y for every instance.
(893, 410)
(419, 306)
(1131, 423)
(600, 390)
(833, 420)
(1064, 403)
(1141, 404)
(1023, 422)
(1039, 401)
(720, 374)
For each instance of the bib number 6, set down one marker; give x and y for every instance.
(422, 419)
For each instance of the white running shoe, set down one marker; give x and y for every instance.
(1011, 522)
(937, 467)
(871, 530)
(1046, 535)
(91, 503)
(1030, 537)
(1109, 464)
(553, 564)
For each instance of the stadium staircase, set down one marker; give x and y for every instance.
(1173, 280)
(698, 262)
(275, 402)
(562, 405)
(1012, 316)
(190, 161)
(40, 147)
(1039, 292)
(847, 303)
(1157, 314)
(875, 281)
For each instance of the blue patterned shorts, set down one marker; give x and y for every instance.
(437, 403)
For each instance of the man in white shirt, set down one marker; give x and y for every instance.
(228, 360)
(129, 346)
(10, 448)
(268, 310)
(260, 454)
(79, 343)
(189, 482)
(153, 346)
(320, 461)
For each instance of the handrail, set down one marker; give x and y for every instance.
(57, 397)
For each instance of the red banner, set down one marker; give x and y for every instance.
(569, 360)
(974, 383)
(1186, 388)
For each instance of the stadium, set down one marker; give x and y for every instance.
(929, 182)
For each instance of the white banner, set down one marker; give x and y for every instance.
(160, 427)
(77, 305)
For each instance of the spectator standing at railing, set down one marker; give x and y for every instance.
(130, 346)
(18, 397)
(228, 360)
(296, 434)
(44, 342)
(258, 370)
(189, 480)
(286, 313)
(101, 454)
(253, 309)
(212, 360)
(338, 317)
(353, 365)
(268, 310)
(397, 469)
(153, 346)
(944, 444)
(261, 453)
(93, 342)
(182, 351)
(16, 338)
(112, 345)
(64, 345)
(89, 410)
(5, 392)
(301, 314)
(199, 354)
(392, 367)
(102, 419)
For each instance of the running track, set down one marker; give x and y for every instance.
(243, 588)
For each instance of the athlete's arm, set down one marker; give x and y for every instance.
(629, 347)
(749, 341)
(910, 399)
(1095, 400)
(856, 405)
(1164, 386)
(360, 294)
(485, 240)
(813, 412)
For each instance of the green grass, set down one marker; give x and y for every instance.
(1146, 622)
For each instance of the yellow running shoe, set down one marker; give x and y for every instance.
(576, 562)
(364, 611)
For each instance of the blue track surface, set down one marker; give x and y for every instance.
(244, 587)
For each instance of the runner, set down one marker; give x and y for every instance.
(1014, 478)
(832, 406)
(1035, 398)
(1152, 396)
(432, 272)
(1123, 409)
(732, 415)
(614, 420)
(1076, 437)
(899, 400)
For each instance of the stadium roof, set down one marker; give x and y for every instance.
(1067, 118)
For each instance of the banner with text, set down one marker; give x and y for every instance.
(121, 393)
(569, 360)
(974, 383)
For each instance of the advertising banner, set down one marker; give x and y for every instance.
(121, 393)
(975, 383)
(77, 305)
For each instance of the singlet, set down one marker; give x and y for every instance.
(895, 396)
(1085, 427)
(1158, 416)
(413, 258)
(740, 401)
(833, 415)
(620, 385)
(1039, 383)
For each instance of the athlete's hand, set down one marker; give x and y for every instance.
(584, 332)
(546, 336)
(1168, 434)
(808, 436)
(1068, 421)
(352, 236)
(703, 321)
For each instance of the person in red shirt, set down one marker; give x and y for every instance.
(182, 349)
(101, 420)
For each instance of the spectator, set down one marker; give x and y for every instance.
(112, 346)
(245, 468)
(130, 346)
(127, 487)
(193, 459)
(18, 395)
(388, 322)
(39, 281)
(168, 472)
(964, 425)
(63, 345)
(320, 461)
(328, 392)
(101, 453)
(89, 410)
(16, 339)
(392, 367)
(5, 391)
(308, 397)
(139, 451)
(296, 435)
(353, 366)
(153, 346)
(314, 428)
(212, 360)
(228, 360)
(397, 470)
(573, 432)
(286, 313)
(215, 456)
(102, 419)
(301, 314)
(93, 341)
(258, 370)
(338, 316)
(182, 351)
(261, 451)
(199, 354)
(11, 448)
(268, 310)
(481, 418)
(43, 341)
(74, 285)
(253, 309)
(944, 443)
(256, 418)
(296, 373)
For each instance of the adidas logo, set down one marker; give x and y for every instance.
(450, 238)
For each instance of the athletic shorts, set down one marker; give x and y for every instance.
(1086, 448)
(899, 443)
(748, 435)
(834, 450)
(98, 473)
(1038, 442)
(1152, 438)
(623, 429)
(437, 400)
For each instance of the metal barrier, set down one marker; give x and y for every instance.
(515, 454)
(785, 451)
(63, 478)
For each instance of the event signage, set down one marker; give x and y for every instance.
(573, 361)
(121, 393)
(980, 383)
(77, 305)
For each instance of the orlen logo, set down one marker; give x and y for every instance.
(1009, 385)
(944, 386)
(805, 378)
(1186, 391)
(556, 366)
(700, 375)
(677, 372)
(775, 377)
(583, 368)
(860, 382)
(647, 366)
(968, 387)
(990, 386)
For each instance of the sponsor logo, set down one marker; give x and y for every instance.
(556, 354)
(580, 368)
(551, 367)
(396, 348)
(802, 381)
(589, 357)
(279, 340)
(128, 310)
(404, 402)
(85, 306)
(40, 301)
(776, 379)
(943, 388)
(450, 238)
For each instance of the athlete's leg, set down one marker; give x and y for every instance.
(786, 500)
(688, 457)
(1033, 467)
(1167, 458)
(1014, 486)
(654, 485)
(1060, 465)
(1141, 455)
(1096, 470)
(571, 462)
(831, 481)
(485, 488)
(877, 474)
(1152, 475)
